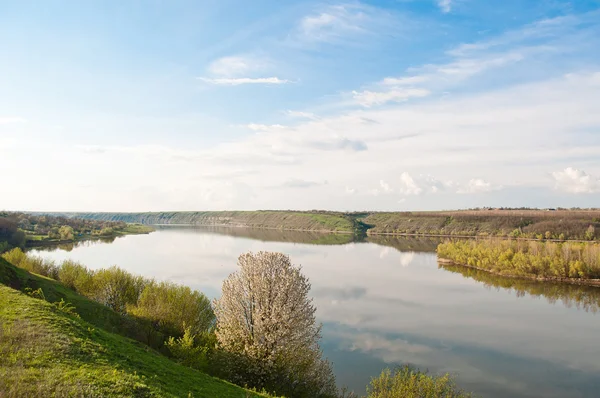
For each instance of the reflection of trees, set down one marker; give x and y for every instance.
(405, 244)
(72, 245)
(581, 297)
(269, 235)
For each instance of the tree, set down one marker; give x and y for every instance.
(66, 233)
(266, 322)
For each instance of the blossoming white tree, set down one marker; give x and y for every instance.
(266, 321)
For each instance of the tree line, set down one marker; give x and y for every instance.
(535, 259)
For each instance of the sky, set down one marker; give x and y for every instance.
(359, 105)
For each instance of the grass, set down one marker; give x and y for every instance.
(47, 352)
(135, 229)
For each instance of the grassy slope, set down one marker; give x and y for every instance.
(46, 352)
(309, 221)
(571, 224)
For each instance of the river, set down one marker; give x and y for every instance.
(386, 302)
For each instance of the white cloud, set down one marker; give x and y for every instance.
(408, 186)
(575, 181)
(445, 5)
(302, 115)
(265, 127)
(244, 80)
(334, 22)
(335, 143)
(346, 24)
(300, 183)
(477, 185)
(369, 98)
(238, 70)
(12, 120)
(404, 81)
(385, 186)
(231, 66)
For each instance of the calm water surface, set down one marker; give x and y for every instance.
(387, 302)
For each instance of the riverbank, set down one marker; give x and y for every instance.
(76, 348)
(567, 262)
(45, 241)
(524, 224)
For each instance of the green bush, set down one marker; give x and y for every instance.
(116, 288)
(188, 351)
(34, 264)
(173, 307)
(76, 276)
(407, 382)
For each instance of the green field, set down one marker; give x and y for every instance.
(46, 351)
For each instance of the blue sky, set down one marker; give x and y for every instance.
(381, 105)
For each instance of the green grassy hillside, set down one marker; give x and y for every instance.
(560, 224)
(46, 351)
(290, 220)
(533, 224)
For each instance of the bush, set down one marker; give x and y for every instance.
(172, 308)
(407, 382)
(116, 288)
(188, 352)
(76, 276)
(66, 232)
(107, 231)
(34, 264)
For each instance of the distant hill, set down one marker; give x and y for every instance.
(526, 223)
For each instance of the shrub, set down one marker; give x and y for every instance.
(187, 350)
(173, 307)
(76, 276)
(66, 232)
(407, 382)
(116, 288)
(33, 264)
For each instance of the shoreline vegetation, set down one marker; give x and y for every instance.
(26, 230)
(526, 224)
(564, 262)
(67, 331)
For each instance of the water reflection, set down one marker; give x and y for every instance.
(68, 247)
(385, 301)
(586, 298)
(267, 235)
